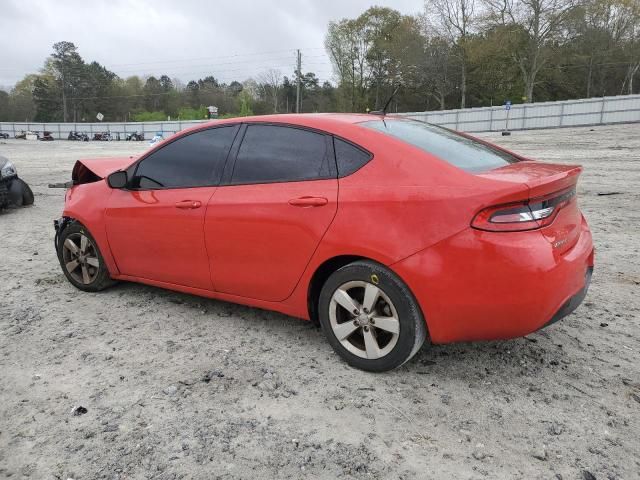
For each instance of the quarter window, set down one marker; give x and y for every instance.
(349, 157)
(271, 153)
(196, 160)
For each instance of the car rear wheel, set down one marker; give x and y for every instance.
(81, 260)
(370, 317)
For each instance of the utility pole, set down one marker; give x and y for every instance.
(298, 100)
(64, 99)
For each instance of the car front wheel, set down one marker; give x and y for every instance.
(370, 317)
(81, 260)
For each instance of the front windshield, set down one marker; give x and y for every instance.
(462, 152)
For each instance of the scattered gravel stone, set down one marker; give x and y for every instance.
(79, 410)
(478, 452)
(479, 455)
(171, 390)
(540, 454)
(211, 374)
(556, 429)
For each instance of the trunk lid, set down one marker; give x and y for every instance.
(546, 182)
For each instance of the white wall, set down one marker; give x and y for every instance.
(587, 111)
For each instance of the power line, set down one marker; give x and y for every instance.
(222, 76)
(253, 65)
(192, 59)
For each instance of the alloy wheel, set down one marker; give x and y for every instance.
(364, 319)
(80, 258)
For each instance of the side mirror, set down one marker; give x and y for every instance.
(117, 179)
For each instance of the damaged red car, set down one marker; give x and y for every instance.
(385, 230)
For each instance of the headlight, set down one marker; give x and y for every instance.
(8, 170)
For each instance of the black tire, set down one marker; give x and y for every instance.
(27, 193)
(101, 279)
(19, 193)
(15, 192)
(4, 196)
(412, 327)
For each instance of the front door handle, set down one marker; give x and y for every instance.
(188, 204)
(308, 202)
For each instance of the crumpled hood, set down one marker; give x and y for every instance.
(95, 169)
(102, 167)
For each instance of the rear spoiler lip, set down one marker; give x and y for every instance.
(541, 179)
(560, 182)
(534, 186)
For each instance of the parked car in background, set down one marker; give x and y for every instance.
(102, 136)
(14, 192)
(4, 136)
(46, 136)
(158, 137)
(135, 136)
(384, 230)
(28, 135)
(78, 136)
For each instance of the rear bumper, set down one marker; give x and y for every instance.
(489, 286)
(574, 302)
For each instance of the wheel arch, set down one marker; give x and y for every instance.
(96, 229)
(324, 271)
(320, 276)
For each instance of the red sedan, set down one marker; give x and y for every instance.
(384, 230)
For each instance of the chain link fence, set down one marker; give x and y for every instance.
(118, 130)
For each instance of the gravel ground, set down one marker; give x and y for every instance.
(138, 382)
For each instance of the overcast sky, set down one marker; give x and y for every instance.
(187, 39)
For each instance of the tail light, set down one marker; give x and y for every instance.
(526, 215)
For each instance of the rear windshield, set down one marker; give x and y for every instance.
(447, 145)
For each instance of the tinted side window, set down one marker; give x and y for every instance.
(196, 160)
(349, 157)
(272, 153)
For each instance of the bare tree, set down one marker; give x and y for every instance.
(454, 19)
(613, 25)
(348, 46)
(630, 11)
(271, 82)
(439, 71)
(534, 26)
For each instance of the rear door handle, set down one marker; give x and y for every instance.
(308, 202)
(188, 204)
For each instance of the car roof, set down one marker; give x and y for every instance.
(307, 118)
(329, 122)
(332, 123)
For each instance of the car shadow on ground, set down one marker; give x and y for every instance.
(13, 210)
(458, 361)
